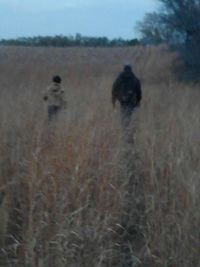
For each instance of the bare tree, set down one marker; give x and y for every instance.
(150, 29)
(177, 22)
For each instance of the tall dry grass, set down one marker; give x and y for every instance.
(77, 192)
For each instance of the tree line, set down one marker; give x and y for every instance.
(68, 41)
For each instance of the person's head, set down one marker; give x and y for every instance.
(56, 79)
(127, 68)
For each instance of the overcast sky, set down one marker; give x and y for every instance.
(111, 18)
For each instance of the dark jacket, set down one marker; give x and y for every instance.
(127, 89)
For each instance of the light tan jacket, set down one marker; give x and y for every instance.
(54, 94)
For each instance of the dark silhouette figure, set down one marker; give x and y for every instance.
(127, 90)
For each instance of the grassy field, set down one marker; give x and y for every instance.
(77, 193)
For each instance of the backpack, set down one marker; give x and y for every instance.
(125, 89)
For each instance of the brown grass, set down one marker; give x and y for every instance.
(76, 193)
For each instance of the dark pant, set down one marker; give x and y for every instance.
(126, 113)
(52, 111)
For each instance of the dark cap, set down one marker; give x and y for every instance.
(127, 68)
(57, 79)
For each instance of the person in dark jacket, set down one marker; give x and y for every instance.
(127, 90)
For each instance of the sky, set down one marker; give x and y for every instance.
(110, 18)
